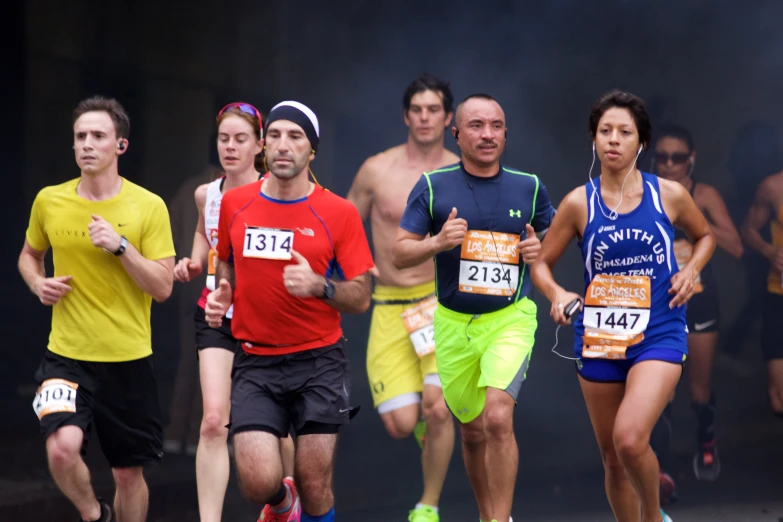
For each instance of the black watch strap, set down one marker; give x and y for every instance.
(329, 289)
(123, 246)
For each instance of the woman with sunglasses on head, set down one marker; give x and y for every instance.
(675, 160)
(240, 148)
(631, 340)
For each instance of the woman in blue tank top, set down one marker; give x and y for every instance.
(631, 336)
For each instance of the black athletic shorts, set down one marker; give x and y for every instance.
(208, 337)
(703, 312)
(772, 326)
(119, 398)
(308, 391)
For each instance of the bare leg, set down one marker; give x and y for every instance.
(69, 471)
(602, 401)
(315, 456)
(502, 454)
(647, 391)
(132, 497)
(474, 453)
(212, 463)
(439, 444)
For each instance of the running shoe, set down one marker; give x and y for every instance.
(423, 514)
(706, 463)
(666, 518)
(293, 514)
(668, 489)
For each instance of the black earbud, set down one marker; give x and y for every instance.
(121, 146)
(456, 134)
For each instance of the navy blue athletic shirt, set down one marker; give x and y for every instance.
(485, 273)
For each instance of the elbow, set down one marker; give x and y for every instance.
(396, 259)
(163, 293)
(362, 305)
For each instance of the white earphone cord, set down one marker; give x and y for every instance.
(613, 214)
(554, 348)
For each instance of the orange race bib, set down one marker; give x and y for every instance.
(418, 320)
(683, 250)
(489, 263)
(616, 314)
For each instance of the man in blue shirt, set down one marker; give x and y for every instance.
(479, 220)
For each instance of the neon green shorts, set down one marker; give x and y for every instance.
(476, 351)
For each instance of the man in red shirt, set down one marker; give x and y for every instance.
(287, 240)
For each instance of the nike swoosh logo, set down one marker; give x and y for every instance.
(702, 326)
(121, 224)
(344, 410)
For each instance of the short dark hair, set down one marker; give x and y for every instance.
(474, 96)
(108, 105)
(623, 100)
(670, 130)
(479, 95)
(428, 82)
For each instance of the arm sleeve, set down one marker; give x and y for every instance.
(36, 230)
(543, 211)
(157, 241)
(352, 251)
(417, 218)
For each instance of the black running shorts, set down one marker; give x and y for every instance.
(772, 326)
(120, 399)
(703, 312)
(208, 337)
(308, 391)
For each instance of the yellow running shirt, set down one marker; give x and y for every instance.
(106, 317)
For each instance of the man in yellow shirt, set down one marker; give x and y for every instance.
(113, 253)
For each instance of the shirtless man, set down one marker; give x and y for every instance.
(767, 208)
(401, 349)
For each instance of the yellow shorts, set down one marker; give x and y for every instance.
(393, 367)
(476, 351)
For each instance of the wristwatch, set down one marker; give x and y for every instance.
(123, 246)
(329, 290)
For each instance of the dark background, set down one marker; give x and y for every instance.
(715, 67)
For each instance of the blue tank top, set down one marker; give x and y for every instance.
(630, 261)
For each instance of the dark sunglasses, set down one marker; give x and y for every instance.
(244, 107)
(678, 158)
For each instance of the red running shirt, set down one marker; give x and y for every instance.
(260, 231)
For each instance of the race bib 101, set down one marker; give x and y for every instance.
(268, 243)
(55, 395)
(418, 320)
(489, 263)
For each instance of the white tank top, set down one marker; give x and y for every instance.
(211, 218)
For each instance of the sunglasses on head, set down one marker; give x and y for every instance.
(678, 158)
(244, 107)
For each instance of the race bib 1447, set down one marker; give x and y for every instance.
(616, 314)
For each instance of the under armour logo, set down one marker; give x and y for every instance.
(515, 213)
